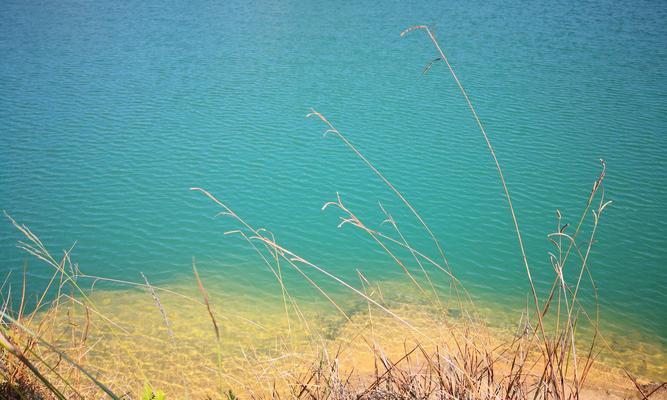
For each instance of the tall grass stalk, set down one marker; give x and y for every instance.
(544, 359)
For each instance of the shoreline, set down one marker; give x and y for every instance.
(259, 338)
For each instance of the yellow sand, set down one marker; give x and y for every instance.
(265, 343)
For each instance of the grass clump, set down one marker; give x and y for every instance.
(150, 394)
(45, 353)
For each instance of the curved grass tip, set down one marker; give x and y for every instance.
(413, 28)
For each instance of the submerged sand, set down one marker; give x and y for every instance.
(266, 343)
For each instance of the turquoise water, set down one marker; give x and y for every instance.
(111, 111)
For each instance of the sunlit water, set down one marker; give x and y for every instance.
(172, 343)
(110, 112)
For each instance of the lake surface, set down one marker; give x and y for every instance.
(110, 112)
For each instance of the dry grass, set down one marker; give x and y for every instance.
(45, 351)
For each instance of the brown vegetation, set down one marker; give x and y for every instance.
(45, 352)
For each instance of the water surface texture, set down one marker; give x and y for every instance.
(111, 111)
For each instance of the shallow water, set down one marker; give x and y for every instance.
(173, 345)
(111, 112)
